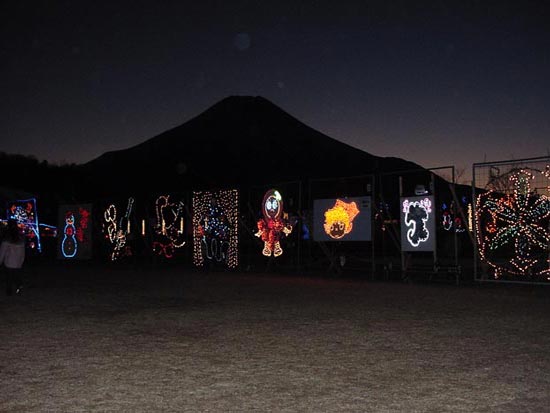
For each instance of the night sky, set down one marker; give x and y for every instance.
(437, 83)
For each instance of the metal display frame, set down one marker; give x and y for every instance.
(495, 173)
(405, 257)
(367, 184)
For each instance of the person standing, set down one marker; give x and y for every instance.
(12, 255)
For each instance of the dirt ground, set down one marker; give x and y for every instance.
(85, 339)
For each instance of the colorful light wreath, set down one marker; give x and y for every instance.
(215, 227)
(169, 234)
(339, 219)
(273, 224)
(513, 230)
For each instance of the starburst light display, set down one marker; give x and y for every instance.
(513, 229)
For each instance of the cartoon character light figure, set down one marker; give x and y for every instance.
(273, 224)
(339, 219)
(417, 214)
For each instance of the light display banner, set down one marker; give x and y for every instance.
(513, 229)
(169, 233)
(24, 212)
(342, 219)
(216, 227)
(418, 223)
(74, 232)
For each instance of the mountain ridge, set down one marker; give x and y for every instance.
(240, 140)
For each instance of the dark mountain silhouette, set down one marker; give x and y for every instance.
(240, 141)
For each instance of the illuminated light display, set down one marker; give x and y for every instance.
(305, 232)
(75, 240)
(116, 233)
(46, 230)
(470, 218)
(216, 227)
(342, 219)
(417, 224)
(513, 230)
(447, 221)
(69, 245)
(273, 224)
(169, 235)
(339, 219)
(451, 218)
(546, 174)
(459, 225)
(24, 212)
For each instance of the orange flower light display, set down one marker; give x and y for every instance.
(339, 219)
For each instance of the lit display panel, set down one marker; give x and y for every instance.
(25, 213)
(274, 223)
(418, 223)
(513, 226)
(168, 236)
(117, 229)
(216, 227)
(75, 232)
(342, 219)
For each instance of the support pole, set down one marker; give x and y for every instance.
(403, 270)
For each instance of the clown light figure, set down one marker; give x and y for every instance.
(273, 223)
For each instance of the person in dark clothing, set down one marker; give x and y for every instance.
(12, 255)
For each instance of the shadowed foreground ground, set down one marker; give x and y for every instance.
(113, 340)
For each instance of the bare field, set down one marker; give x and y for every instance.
(84, 339)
